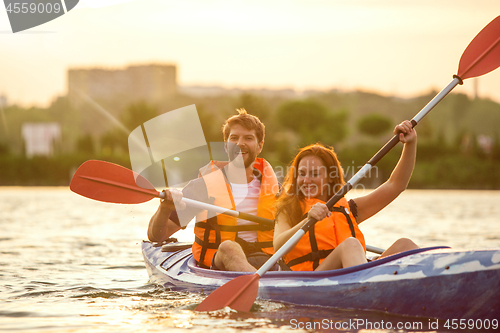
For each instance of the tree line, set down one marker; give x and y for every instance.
(458, 141)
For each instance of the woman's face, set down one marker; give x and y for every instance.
(312, 178)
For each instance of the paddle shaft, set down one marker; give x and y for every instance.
(225, 211)
(245, 216)
(357, 177)
(100, 182)
(198, 204)
(374, 249)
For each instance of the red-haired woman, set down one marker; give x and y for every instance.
(335, 241)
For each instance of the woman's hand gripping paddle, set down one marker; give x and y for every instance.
(480, 57)
(108, 182)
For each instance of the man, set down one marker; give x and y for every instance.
(246, 184)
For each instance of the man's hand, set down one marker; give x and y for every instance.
(172, 200)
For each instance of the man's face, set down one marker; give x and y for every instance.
(243, 142)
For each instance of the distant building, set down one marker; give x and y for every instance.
(152, 83)
(486, 143)
(211, 91)
(40, 138)
(3, 101)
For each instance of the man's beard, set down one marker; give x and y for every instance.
(237, 159)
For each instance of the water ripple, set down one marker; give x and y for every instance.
(90, 277)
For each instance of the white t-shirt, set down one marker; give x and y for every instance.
(246, 199)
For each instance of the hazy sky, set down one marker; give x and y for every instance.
(397, 47)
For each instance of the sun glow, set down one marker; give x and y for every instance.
(393, 47)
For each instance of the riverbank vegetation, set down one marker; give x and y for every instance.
(458, 145)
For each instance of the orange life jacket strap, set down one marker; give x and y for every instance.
(348, 218)
(316, 255)
(248, 247)
(237, 228)
(211, 224)
(213, 246)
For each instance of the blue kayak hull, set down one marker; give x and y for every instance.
(430, 282)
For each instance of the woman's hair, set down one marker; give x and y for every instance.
(291, 199)
(248, 121)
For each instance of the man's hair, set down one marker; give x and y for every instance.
(248, 121)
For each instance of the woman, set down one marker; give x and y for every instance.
(335, 241)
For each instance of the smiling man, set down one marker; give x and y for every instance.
(245, 183)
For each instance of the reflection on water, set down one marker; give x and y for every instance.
(70, 264)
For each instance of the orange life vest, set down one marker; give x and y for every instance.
(324, 236)
(211, 229)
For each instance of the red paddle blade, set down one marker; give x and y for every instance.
(110, 182)
(239, 294)
(483, 53)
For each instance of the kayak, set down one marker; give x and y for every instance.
(433, 282)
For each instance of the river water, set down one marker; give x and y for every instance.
(71, 264)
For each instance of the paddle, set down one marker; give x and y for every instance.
(109, 182)
(480, 57)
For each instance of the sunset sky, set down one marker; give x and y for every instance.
(397, 47)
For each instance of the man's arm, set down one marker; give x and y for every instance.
(166, 220)
(372, 203)
(161, 227)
